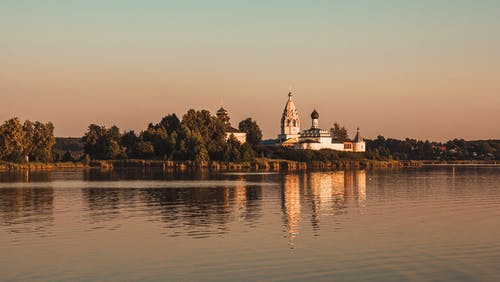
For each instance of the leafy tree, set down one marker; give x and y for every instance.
(145, 149)
(234, 151)
(13, 141)
(253, 131)
(41, 142)
(209, 129)
(171, 123)
(339, 133)
(34, 140)
(29, 142)
(157, 136)
(196, 149)
(103, 143)
(130, 142)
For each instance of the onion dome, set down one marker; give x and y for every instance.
(314, 115)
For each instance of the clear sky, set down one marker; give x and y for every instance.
(421, 69)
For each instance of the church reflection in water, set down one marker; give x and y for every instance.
(320, 194)
(203, 205)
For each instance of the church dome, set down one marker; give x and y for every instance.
(314, 115)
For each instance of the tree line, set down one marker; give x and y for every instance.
(412, 149)
(28, 141)
(198, 136)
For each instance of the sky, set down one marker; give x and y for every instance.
(419, 69)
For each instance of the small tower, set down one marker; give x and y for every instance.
(315, 119)
(290, 122)
(358, 142)
(223, 115)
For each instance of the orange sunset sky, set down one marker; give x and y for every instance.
(419, 69)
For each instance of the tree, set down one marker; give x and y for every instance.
(13, 141)
(130, 143)
(209, 129)
(41, 142)
(234, 151)
(196, 149)
(339, 133)
(145, 149)
(102, 143)
(253, 131)
(31, 139)
(91, 139)
(157, 136)
(171, 123)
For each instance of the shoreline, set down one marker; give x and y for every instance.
(260, 164)
(462, 163)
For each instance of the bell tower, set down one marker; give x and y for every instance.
(290, 122)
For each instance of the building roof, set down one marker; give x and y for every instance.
(358, 137)
(315, 133)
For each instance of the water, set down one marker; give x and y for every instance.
(436, 224)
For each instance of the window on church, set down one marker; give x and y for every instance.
(294, 123)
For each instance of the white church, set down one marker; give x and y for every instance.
(313, 138)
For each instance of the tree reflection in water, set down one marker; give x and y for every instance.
(24, 208)
(207, 204)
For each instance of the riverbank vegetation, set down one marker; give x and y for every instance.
(198, 136)
(28, 141)
(199, 139)
(453, 150)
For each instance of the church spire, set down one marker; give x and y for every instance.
(290, 123)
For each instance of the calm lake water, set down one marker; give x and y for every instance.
(440, 224)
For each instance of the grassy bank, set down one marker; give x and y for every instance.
(462, 163)
(257, 165)
(260, 164)
(8, 166)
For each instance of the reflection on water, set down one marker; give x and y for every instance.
(327, 193)
(192, 211)
(290, 226)
(27, 209)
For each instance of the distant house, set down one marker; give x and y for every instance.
(223, 115)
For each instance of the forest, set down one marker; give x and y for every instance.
(200, 136)
(197, 136)
(412, 149)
